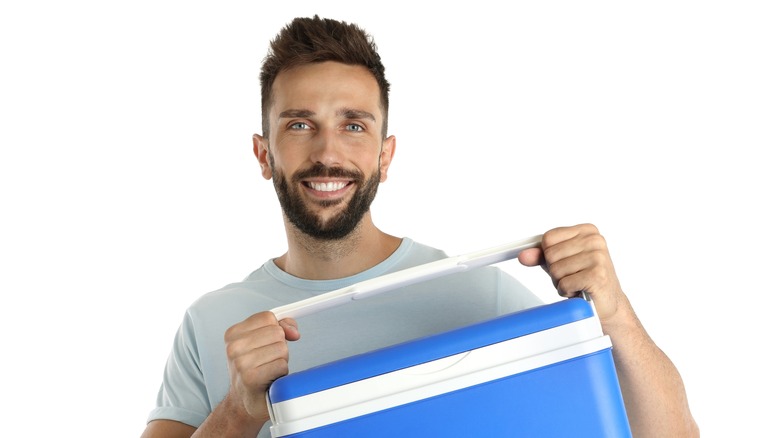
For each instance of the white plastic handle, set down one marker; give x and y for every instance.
(405, 277)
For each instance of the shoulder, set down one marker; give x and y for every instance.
(413, 253)
(234, 302)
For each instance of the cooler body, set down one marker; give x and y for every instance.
(541, 372)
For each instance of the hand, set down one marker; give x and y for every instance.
(577, 260)
(257, 355)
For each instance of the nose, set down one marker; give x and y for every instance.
(326, 149)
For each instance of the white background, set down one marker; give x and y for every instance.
(129, 187)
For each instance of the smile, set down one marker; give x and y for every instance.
(327, 186)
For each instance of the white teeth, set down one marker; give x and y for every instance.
(328, 187)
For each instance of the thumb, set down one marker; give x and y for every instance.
(531, 257)
(290, 329)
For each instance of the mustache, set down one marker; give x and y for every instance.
(320, 170)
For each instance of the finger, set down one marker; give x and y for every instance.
(564, 243)
(568, 266)
(574, 283)
(531, 257)
(238, 343)
(589, 271)
(259, 365)
(290, 327)
(253, 322)
(560, 234)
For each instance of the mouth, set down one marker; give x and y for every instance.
(329, 186)
(328, 191)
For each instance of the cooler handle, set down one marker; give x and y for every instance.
(416, 274)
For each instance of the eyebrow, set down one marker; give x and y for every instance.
(293, 113)
(348, 113)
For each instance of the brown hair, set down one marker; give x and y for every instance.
(311, 40)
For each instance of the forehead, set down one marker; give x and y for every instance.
(320, 85)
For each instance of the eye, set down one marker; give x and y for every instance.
(299, 126)
(354, 127)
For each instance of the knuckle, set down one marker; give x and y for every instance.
(280, 349)
(279, 367)
(275, 333)
(595, 241)
(590, 228)
(564, 287)
(266, 317)
(233, 350)
(230, 333)
(554, 270)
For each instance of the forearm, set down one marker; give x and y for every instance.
(652, 388)
(229, 419)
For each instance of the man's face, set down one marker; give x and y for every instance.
(324, 151)
(308, 220)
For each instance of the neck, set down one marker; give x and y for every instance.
(317, 259)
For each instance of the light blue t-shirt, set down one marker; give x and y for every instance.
(196, 377)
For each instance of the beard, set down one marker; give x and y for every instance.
(307, 221)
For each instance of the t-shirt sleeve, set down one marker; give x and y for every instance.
(182, 396)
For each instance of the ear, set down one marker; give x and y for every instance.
(260, 147)
(386, 157)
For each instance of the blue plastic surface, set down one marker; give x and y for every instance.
(430, 348)
(575, 398)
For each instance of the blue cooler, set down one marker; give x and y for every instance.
(542, 372)
(547, 371)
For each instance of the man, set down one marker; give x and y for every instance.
(326, 148)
